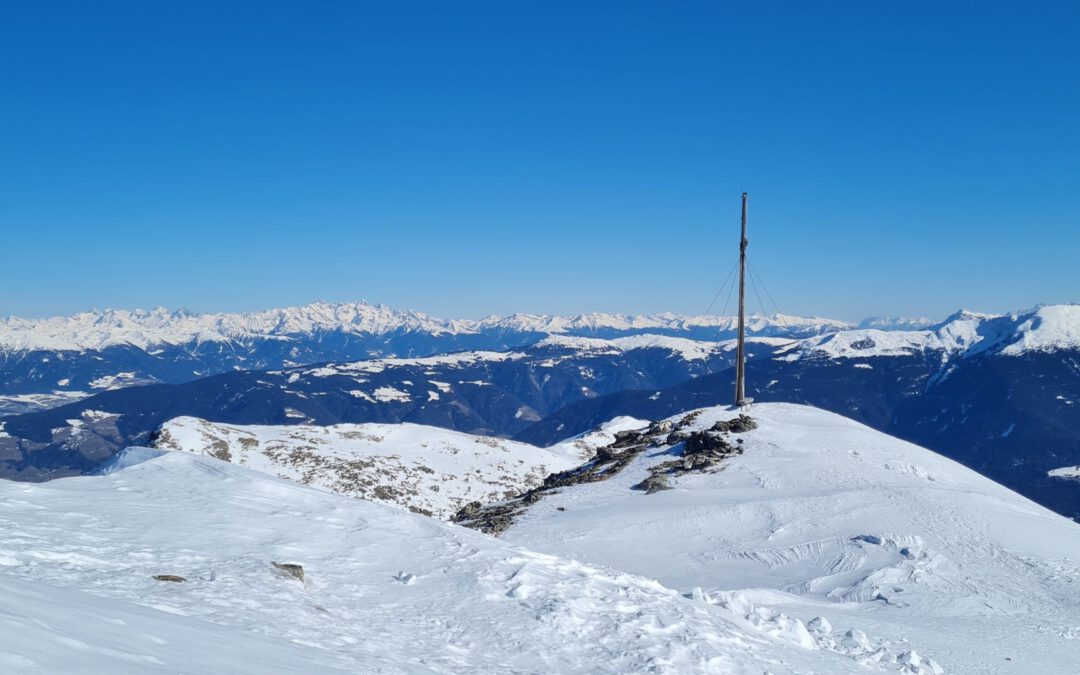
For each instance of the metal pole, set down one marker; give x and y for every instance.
(740, 356)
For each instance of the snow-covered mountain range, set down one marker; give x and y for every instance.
(995, 392)
(44, 361)
(47, 361)
(1048, 328)
(799, 542)
(147, 329)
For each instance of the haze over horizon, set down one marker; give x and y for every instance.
(557, 158)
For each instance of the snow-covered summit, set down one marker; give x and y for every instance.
(1047, 328)
(836, 537)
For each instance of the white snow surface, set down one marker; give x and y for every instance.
(828, 533)
(148, 328)
(1043, 329)
(416, 467)
(689, 350)
(583, 446)
(384, 591)
(19, 403)
(1063, 472)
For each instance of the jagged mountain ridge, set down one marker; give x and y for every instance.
(44, 361)
(146, 329)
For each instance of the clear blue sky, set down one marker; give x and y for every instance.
(463, 158)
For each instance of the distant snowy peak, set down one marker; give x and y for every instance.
(1043, 329)
(709, 325)
(1049, 328)
(895, 323)
(146, 329)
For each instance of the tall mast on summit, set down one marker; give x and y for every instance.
(740, 354)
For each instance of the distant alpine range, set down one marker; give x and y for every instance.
(48, 361)
(999, 393)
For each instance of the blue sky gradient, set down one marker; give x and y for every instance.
(464, 158)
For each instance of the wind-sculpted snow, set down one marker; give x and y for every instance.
(383, 591)
(839, 538)
(423, 469)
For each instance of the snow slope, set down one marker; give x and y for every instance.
(384, 591)
(823, 517)
(424, 469)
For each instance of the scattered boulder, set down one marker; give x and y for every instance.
(605, 454)
(662, 427)
(608, 461)
(467, 511)
(531, 497)
(291, 569)
(626, 438)
(702, 451)
(676, 437)
(736, 425)
(170, 577)
(654, 483)
(707, 442)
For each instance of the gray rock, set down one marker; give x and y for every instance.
(653, 484)
(291, 569)
(170, 577)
